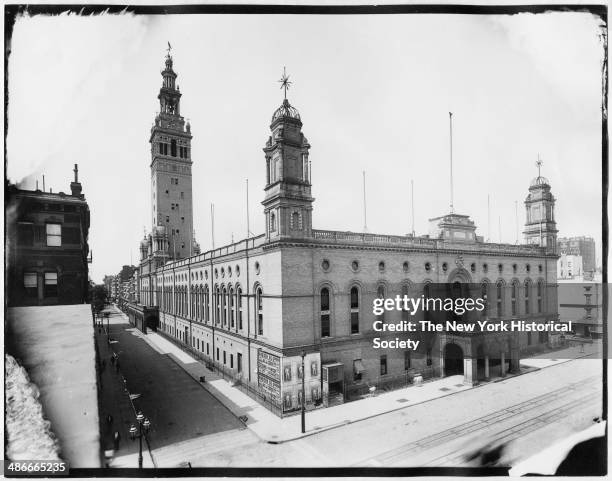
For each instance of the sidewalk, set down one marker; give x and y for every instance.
(270, 428)
(273, 429)
(576, 351)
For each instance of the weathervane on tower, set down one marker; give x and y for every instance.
(539, 163)
(284, 81)
(169, 49)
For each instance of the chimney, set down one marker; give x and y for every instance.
(75, 186)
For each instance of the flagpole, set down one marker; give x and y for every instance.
(365, 221)
(450, 119)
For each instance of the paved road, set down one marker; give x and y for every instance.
(536, 408)
(178, 407)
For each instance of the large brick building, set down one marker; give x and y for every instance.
(254, 308)
(46, 246)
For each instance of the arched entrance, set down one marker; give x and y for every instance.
(453, 359)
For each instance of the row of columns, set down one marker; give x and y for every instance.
(470, 367)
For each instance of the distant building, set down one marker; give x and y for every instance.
(579, 246)
(569, 267)
(46, 246)
(581, 301)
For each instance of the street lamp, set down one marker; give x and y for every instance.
(303, 396)
(143, 428)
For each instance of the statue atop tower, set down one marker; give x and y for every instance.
(288, 200)
(540, 225)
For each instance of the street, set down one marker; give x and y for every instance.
(177, 406)
(501, 422)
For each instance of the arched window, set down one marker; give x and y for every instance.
(539, 296)
(259, 304)
(514, 294)
(500, 294)
(485, 296)
(217, 301)
(380, 293)
(354, 310)
(527, 290)
(231, 307)
(325, 327)
(239, 306)
(405, 314)
(224, 306)
(206, 304)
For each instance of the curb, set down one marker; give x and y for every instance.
(222, 399)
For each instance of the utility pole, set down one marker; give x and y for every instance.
(303, 396)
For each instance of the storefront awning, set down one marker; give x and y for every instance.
(358, 366)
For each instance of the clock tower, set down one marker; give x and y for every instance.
(171, 185)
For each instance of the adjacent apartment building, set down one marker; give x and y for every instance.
(46, 246)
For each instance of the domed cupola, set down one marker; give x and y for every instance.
(539, 181)
(286, 111)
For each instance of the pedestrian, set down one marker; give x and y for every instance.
(116, 439)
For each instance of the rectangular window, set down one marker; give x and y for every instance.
(354, 323)
(407, 360)
(50, 284)
(224, 358)
(429, 361)
(239, 362)
(207, 349)
(383, 365)
(231, 361)
(25, 234)
(357, 369)
(325, 329)
(182, 195)
(217, 354)
(54, 235)
(30, 282)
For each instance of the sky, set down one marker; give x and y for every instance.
(373, 92)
